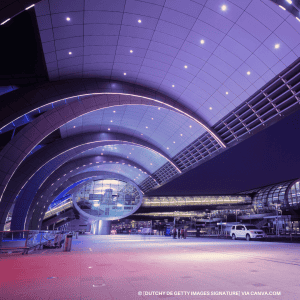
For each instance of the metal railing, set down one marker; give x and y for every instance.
(30, 239)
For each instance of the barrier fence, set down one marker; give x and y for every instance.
(25, 240)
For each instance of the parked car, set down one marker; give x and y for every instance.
(246, 231)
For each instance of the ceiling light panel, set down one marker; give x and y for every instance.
(133, 119)
(138, 155)
(65, 19)
(125, 170)
(130, 19)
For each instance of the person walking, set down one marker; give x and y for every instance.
(179, 233)
(174, 233)
(182, 233)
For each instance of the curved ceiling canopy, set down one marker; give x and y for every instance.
(163, 128)
(33, 134)
(208, 55)
(23, 105)
(142, 156)
(57, 153)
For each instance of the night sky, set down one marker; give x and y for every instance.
(270, 156)
(21, 54)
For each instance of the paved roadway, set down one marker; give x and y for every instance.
(121, 266)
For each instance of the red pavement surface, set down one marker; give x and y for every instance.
(119, 267)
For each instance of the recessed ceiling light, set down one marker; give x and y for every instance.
(124, 73)
(277, 46)
(190, 126)
(141, 134)
(181, 134)
(210, 108)
(159, 108)
(108, 128)
(173, 85)
(5, 21)
(226, 93)
(74, 126)
(140, 21)
(146, 126)
(114, 111)
(282, 7)
(298, 19)
(151, 118)
(174, 142)
(151, 164)
(70, 53)
(248, 73)
(68, 19)
(224, 7)
(202, 42)
(29, 7)
(131, 51)
(111, 121)
(289, 1)
(185, 66)
(168, 148)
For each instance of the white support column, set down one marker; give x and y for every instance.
(101, 227)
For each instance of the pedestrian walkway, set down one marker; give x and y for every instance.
(122, 267)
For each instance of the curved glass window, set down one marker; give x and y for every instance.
(294, 194)
(277, 193)
(108, 198)
(270, 195)
(260, 199)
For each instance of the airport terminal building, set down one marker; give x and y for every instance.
(123, 119)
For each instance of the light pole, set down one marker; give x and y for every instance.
(209, 214)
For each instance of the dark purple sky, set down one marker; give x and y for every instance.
(270, 156)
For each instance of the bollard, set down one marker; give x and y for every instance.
(68, 242)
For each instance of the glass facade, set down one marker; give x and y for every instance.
(195, 200)
(108, 198)
(294, 194)
(282, 194)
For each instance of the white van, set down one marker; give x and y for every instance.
(246, 231)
